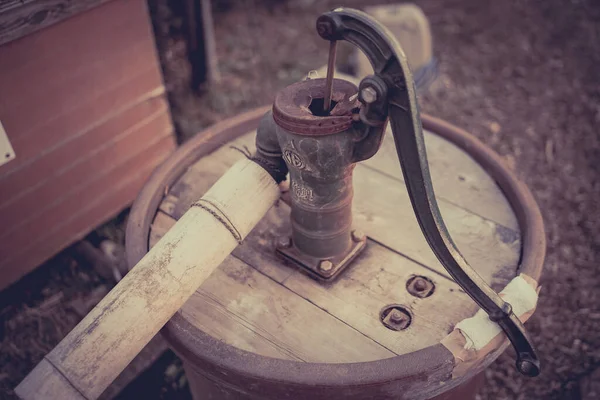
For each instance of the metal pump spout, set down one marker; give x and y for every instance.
(320, 150)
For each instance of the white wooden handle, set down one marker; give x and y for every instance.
(91, 356)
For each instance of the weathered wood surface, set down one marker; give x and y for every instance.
(84, 107)
(92, 355)
(456, 178)
(382, 207)
(21, 17)
(256, 302)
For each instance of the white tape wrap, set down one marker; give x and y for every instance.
(479, 330)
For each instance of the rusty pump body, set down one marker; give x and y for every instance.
(320, 153)
(319, 144)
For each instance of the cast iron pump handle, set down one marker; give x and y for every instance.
(393, 85)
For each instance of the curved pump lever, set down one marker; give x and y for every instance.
(393, 85)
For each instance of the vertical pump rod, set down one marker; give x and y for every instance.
(329, 80)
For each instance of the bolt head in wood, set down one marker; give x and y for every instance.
(396, 317)
(420, 286)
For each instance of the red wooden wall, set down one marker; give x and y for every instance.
(84, 107)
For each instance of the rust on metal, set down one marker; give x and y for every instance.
(319, 151)
(393, 80)
(292, 107)
(420, 286)
(395, 317)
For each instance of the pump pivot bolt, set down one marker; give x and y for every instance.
(369, 95)
(358, 236)
(326, 266)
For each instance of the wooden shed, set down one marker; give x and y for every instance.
(85, 120)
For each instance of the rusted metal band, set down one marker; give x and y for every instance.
(145, 205)
(291, 107)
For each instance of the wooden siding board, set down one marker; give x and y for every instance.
(44, 103)
(84, 107)
(47, 167)
(107, 201)
(55, 188)
(74, 198)
(93, 48)
(84, 117)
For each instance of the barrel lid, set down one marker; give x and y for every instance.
(256, 306)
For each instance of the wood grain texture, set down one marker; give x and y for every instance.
(35, 73)
(453, 172)
(114, 139)
(87, 115)
(454, 175)
(248, 310)
(377, 278)
(81, 101)
(50, 211)
(105, 200)
(21, 17)
(92, 355)
(382, 209)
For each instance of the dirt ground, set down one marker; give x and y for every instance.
(522, 75)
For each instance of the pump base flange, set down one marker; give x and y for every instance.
(323, 269)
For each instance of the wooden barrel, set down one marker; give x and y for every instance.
(259, 328)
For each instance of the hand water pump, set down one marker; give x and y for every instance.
(313, 137)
